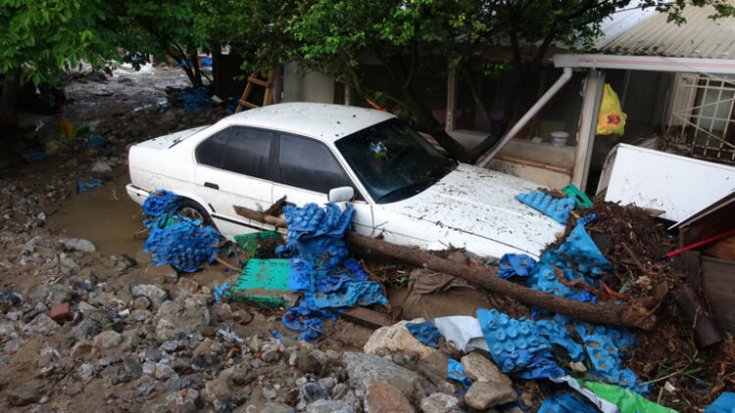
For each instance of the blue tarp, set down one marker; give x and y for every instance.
(725, 403)
(556, 208)
(567, 403)
(321, 270)
(425, 332)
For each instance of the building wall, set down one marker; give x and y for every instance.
(306, 87)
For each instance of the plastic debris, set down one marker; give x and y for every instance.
(425, 332)
(600, 403)
(95, 142)
(455, 372)
(88, 183)
(219, 292)
(510, 265)
(161, 202)
(522, 347)
(627, 400)
(725, 403)
(195, 98)
(264, 282)
(566, 402)
(556, 208)
(605, 346)
(181, 242)
(462, 330)
(320, 270)
(575, 193)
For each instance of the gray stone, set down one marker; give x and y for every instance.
(76, 244)
(269, 393)
(277, 408)
(73, 388)
(141, 303)
(365, 369)
(86, 329)
(108, 339)
(328, 383)
(163, 371)
(144, 389)
(173, 318)
(330, 406)
(132, 367)
(67, 265)
(483, 395)
(311, 392)
(340, 390)
(479, 368)
(139, 315)
(42, 324)
(440, 403)
(156, 294)
(271, 356)
(23, 395)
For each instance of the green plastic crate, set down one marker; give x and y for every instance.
(250, 242)
(573, 192)
(264, 282)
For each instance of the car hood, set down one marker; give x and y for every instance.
(168, 141)
(482, 202)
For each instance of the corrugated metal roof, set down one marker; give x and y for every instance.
(699, 37)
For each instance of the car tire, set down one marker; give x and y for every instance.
(193, 210)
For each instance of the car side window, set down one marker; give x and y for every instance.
(308, 164)
(242, 150)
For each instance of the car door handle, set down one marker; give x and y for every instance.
(211, 185)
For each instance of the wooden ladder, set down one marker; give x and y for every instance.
(253, 80)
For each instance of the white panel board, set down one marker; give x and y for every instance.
(678, 185)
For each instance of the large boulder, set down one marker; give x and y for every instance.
(366, 369)
(396, 339)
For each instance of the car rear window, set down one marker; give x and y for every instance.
(242, 150)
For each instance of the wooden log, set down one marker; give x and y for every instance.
(705, 331)
(636, 313)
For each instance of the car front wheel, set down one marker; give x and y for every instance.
(193, 210)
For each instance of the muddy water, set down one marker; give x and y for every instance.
(457, 301)
(105, 215)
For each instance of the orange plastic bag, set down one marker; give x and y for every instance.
(611, 120)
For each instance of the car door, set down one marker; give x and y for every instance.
(305, 170)
(232, 169)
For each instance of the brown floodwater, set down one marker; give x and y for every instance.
(105, 215)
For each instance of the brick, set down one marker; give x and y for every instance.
(61, 312)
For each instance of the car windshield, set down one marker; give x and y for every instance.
(393, 161)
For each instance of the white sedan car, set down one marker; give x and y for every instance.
(400, 186)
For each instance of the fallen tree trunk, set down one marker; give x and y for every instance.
(633, 314)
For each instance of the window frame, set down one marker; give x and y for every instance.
(275, 169)
(272, 155)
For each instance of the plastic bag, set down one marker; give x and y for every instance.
(611, 120)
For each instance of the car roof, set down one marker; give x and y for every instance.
(317, 120)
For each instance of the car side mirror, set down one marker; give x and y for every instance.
(341, 194)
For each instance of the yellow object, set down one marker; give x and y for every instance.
(66, 128)
(611, 120)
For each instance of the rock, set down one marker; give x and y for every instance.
(23, 395)
(139, 315)
(330, 406)
(108, 340)
(271, 356)
(8, 300)
(145, 389)
(163, 371)
(141, 303)
(101, 166)
(480, 368)
(188, 284)
(483, 395)
(86, 329)
(269, 393)
(339, 391)
(365, 369)
(132, 367)
(440, 403)
(82, 245)
(327, 383)
(156, 294)
(221, 387)
(381, 398)
(222, 312)
(173, 318)
(311, 392)
(73, 388)
(61, 312)
(67, 265)
(82, 348)
(86, 372)
(42, 324)
(277, 408)
(396, 339)
(309, 363)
